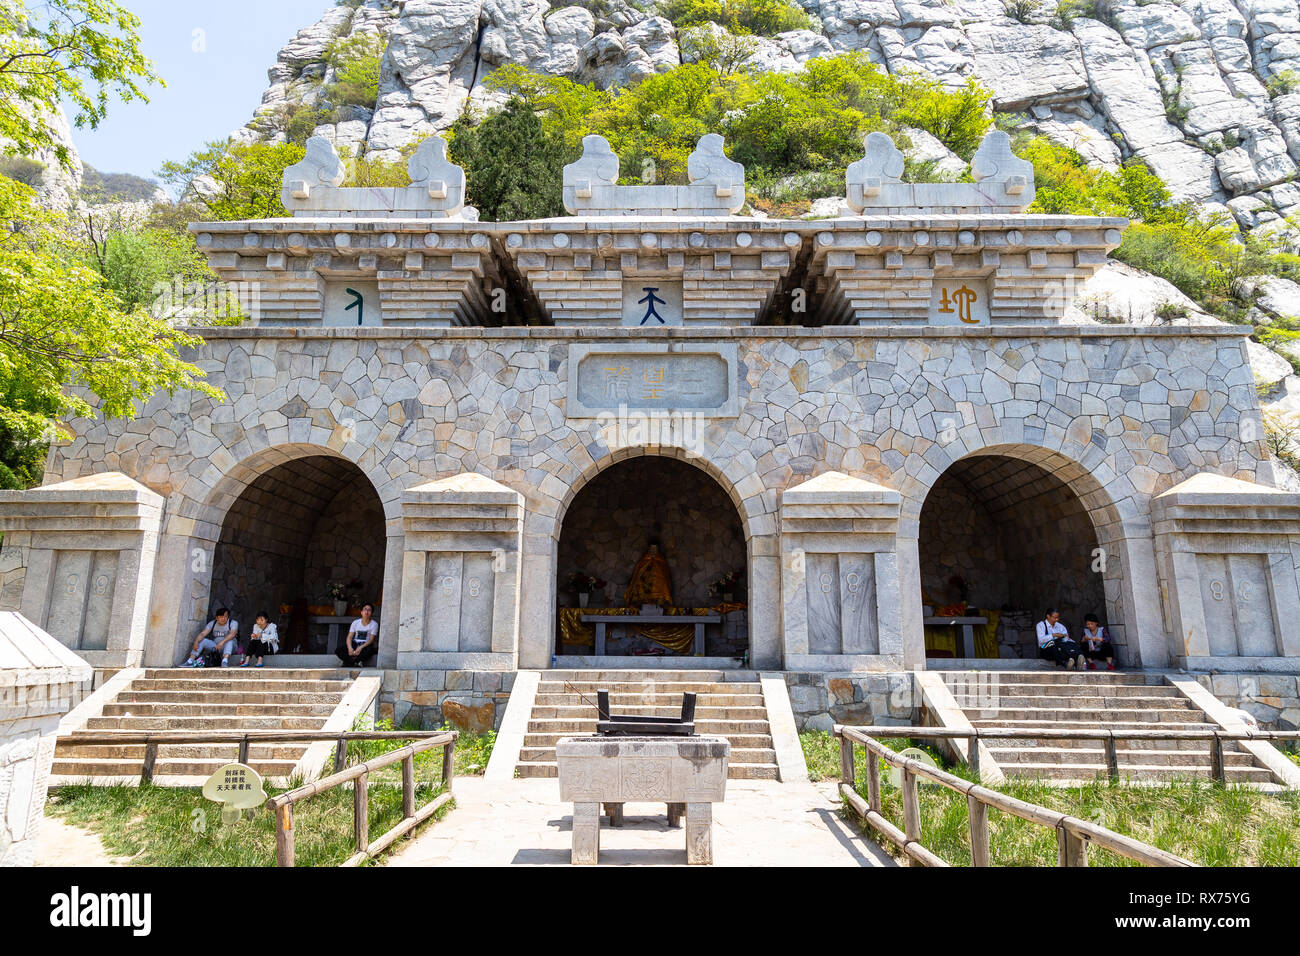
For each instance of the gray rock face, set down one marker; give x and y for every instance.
(1196, 88)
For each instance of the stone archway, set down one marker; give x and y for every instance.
(610, 522)
(1013, 536)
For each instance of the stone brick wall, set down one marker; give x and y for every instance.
(958, 537)
(1273, 699)
(820, 701)
(469, 700)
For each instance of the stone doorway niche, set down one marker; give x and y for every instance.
(1020, 539)
(615, 517)
(293, 530)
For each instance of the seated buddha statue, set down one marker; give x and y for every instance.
(651, 583)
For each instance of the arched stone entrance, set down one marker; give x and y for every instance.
(608, 527)
(291, 531)
(1010, 537)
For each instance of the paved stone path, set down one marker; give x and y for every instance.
(62, 844)
(523, 822)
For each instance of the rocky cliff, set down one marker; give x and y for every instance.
(1207, 92)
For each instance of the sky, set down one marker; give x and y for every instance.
(213, 55)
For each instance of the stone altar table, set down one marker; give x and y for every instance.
(967, 625)
(690, 771)
(698, 620)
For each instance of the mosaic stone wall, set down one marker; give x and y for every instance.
(1119, 414)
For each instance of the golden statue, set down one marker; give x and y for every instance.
(651, 583)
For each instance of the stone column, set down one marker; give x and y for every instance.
(38, 682)
(840, 575)
(460, 575)
(1228, 553)
(78, 561)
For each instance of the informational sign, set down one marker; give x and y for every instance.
(652, 303)
(961, 301)
(652, 379)
(237, 788)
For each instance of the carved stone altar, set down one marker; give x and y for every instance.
(688, 772)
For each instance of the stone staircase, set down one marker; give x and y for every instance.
(730, 704)
(212, 699)
(1088, 699)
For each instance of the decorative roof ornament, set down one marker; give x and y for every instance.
(1004, 183)
(717, 184)
(437, 190)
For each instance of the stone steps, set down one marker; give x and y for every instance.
(729, 704)
(1096, 757)
(204, 699)
(1094, 700)
(175, 708)
(1073, 702)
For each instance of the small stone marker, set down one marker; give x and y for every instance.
(237, 788)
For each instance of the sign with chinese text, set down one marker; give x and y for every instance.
(685, 377)
(237, 788)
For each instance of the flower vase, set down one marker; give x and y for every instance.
(583, 598)
(728, 598)
(340, 608)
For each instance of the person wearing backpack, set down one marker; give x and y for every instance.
(218, 639)
(1096, 643)
(1054, 642)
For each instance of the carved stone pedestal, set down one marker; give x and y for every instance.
(683, 772)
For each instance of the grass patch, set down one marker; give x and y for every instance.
(1205, 822)
(472, 752)
(168, 826)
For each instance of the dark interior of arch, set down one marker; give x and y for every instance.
(292, 531)
(1017, 535)
(613, 519)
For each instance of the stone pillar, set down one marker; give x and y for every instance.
(840, 575)
(78, 561)
(1228, 553)
(460, 575)
(39, 677)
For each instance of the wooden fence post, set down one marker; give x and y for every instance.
(408, 787)
(150, 758)
(284, 835)
(911, 812)
(979, 831)
(973, 756)
(449, 765)
(1112, 760)
(243, 751)
(340, 754)
(361, 811)
(1071, 850)
(873, 781)
(1217, 769)
(846, 762)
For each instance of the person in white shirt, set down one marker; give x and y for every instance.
(1054, 642)
(221, 634)
(362, 640)
(265, 640)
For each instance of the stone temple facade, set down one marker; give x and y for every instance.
(870, 417)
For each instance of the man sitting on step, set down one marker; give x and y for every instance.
(1054, 642)
(220, 635)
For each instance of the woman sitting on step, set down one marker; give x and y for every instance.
(1096, 643)
(265, 640)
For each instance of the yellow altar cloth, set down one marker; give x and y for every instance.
(675, 637)
(945, 638)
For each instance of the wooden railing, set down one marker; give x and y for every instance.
(359, 775)
(1217, 737)
(238, 738)
(1073, 835)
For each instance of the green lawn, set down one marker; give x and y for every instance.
(165, 826)
(1207, 823)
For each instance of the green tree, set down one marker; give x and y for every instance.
(67, 346)
(355, 61)
(513, 166)
(75, 51)
(958, 119)
(229, 181)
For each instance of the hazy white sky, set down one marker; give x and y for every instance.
(215, 77)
